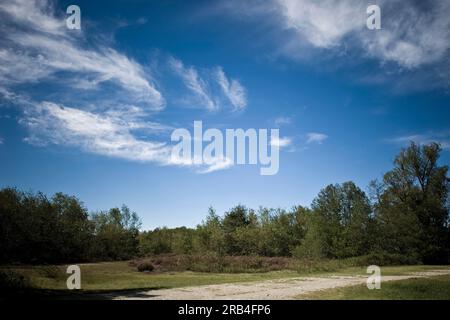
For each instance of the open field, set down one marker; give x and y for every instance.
(122, 280)
(278, 289)
(117, 276)
(432, 288)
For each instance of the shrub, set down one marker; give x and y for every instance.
(382, 258)
(216, 263)
(145, 266)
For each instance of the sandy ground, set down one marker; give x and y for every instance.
(280, 289)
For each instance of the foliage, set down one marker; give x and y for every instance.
(412, 209)
(145, 266)
(403, 219)
(35, 229)
(217, 264)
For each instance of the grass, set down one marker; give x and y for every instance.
(386, 270)
(112, 276)
(433, 288)
(123, 275)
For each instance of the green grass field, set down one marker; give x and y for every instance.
(112, 276)
(433, 288)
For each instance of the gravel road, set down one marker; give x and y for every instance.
(283, 289)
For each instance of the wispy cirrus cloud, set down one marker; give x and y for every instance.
(51, 123)
(217, 165)
(315, 137)
(34, 15)
(105, 102)
(281, 142)
(441, 137)
(322, 23)
(412, 45)
(211, 165)
(194, 83)
(103, 133)
(37, 45)
(412, 34)
(211, 88)
(232, 89)
(282, 121)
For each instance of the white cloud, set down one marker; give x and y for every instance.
(117, 121)
(193, 81)
(109, 133)
(232, 89)
(215, 164)
(314, 137)
(442, 137)
(36, 46)
(417, 35)
(34, 14)
(211, 88)
(281, 142)
(281, 121)
(322, 23)
(219, 164)
(413, 34)
(95, 133)
(1, 140)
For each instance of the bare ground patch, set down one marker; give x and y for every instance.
(279, 289)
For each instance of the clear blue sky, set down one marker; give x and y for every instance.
(89, 112)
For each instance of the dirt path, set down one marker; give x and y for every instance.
(269, 289)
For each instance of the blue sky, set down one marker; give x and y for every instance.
(89, 112)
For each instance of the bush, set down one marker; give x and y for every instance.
(216, 263)
(383, 258)
(253, 264)
(145, 266)
(12, 283)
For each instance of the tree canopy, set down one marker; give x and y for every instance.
(405, 214)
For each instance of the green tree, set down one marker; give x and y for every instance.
(413, 207)
(74, 238)
(116, 234)
(211, 234)
(339, 224)
(233, 220)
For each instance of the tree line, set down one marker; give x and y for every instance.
(404, 215)
(35, 229)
